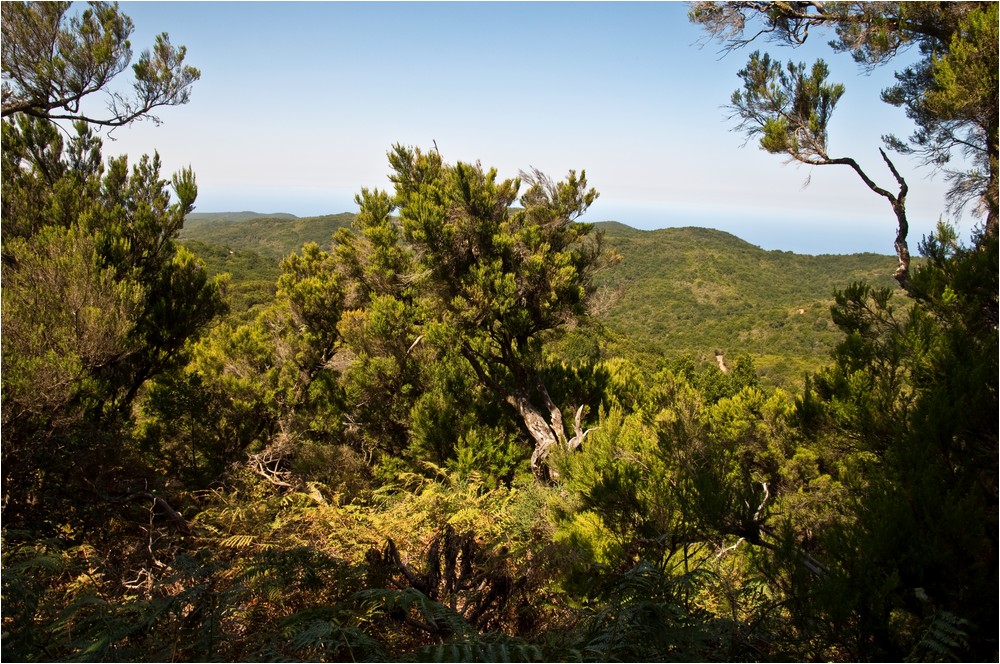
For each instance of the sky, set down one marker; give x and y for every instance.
(298, 104)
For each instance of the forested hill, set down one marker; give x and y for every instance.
(676, 291)
(196, 218)
(696, 290)
(271, 235)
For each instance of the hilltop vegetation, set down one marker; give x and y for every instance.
(273, 236)
(678, 292)
(692, 291)
(195, 219)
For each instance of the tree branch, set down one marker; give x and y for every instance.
(898, 203)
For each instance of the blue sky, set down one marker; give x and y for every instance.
(299, 102)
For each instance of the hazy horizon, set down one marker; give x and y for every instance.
(299, 103)
(770, 234)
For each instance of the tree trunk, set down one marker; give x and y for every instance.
(898, 203)
(540, 430)
(546, 430)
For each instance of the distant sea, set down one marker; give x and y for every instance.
(824, 234)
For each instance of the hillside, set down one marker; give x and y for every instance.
(676, 291)
(273, 236)
(693, 291)
(196, 218)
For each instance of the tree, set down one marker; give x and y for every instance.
(97, 298)
(380, 327)
(951, 96)
(912, 554)
(950, 93)
(893, 440)
(790, 110)
(271, 379)
(52, 62)
(489, 280)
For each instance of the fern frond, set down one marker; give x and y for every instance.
(238, 541)
(944, 639)
(488, 648)
(432, 616)
(330, 639)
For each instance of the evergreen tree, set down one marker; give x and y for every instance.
(97, 298)
(900, 434)
(493, 281)
(910, 405)
(52, 61)
(949, 93)
(272, 379)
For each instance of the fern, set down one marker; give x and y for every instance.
(282, 572)
(78, 616)
(416, 609)
(490, 647)
(325, 634)
(238, 541)
(642, 615)
(945, 638)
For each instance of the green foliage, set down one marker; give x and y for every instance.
(252, 277)
(97, 301)
(321, 635)
(460, 277)
(680, 473)
(51, 61)
(483, 648)
(688, 292)
(644, 614)
(620, 490)
(386, 382)
(84, 617)
(944, 637)
(695, 290)
(790, 111)
(903, 402)
(949, 91)
(949, 94)
(270, 236)
(266, 385)
(463, 642)
(493, 453)
(786, 107)
(372, 459)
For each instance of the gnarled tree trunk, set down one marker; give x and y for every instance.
(545, 426)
